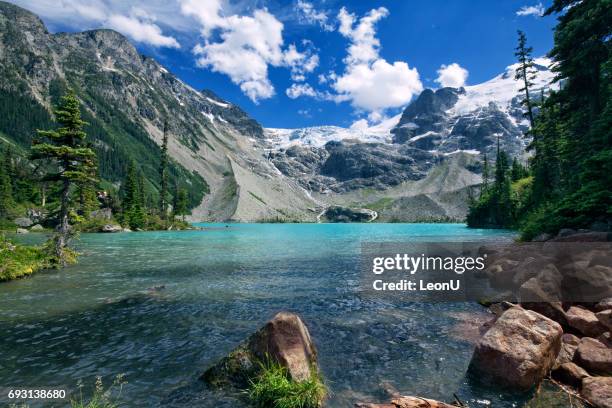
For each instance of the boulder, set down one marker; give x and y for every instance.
(566, 232)
(587, 283)
(606, 339)
(605, 318)
(519, 350)
(22, 231)
(111, 228)
(569, 344)
(37, 227)
(284, 340)
(585, 321)
(102, 214)
(594, 356)
(598, 391)
(408, 402)
(570, 373)
(542, 237)
(605, 304)
(585, 237)
(23, 222)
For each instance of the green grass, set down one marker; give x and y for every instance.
(272, 388)
(18, 261)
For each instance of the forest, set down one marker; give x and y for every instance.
(568, 180)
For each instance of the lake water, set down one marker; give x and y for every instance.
(59, 328)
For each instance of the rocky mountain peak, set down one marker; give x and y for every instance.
(22, 20)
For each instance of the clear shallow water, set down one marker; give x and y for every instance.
(221, 284)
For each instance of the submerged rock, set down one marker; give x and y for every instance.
(518, 350)
(408, 402)
(284, 340)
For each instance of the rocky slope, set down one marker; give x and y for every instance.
(127, 96)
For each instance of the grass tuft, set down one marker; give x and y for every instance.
(273, 388)
(102, 397)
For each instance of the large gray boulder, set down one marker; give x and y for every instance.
(110, 228)
(23, 222)
(284, 340)
(518, 350)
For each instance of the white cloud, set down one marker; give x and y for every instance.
(247, 45)
(141, 31)
(369, 82)
(300, 63)
(379, 85)
(138, 23)
(537, 10)
(308, 14)
(453, 75)
(297, 90)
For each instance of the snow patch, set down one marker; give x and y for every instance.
(223, 105)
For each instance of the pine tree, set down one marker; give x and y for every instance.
(181, 203)
(133, 206)
(65, 147)
(525, 72)
(517, 171)
(485, 175)
(163, 169)
(6, 189)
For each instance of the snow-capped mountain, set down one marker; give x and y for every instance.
(423, 161)
(500, 95)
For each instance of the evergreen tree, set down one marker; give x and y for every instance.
(517, 171)
(75, 163)
(485, 175)
(181, 203)
(163, 174)
(525, 72)
(133, 207)
(6, 189)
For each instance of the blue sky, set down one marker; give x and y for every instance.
(305, 62)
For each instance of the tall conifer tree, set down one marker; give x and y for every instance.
(74, 162)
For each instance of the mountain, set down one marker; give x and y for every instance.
(126, 98)
(419, 164)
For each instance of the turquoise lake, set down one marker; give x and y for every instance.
(59, 328)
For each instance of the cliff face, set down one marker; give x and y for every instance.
(126, 98)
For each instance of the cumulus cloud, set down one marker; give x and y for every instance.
(246, 46)
(369, 82)
(297, 90)
(453, 75)
(135, 22)
(308, 14)
(537, 10)
(141, 31)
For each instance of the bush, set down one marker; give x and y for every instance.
(273, 388)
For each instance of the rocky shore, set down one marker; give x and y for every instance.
(535, 336)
